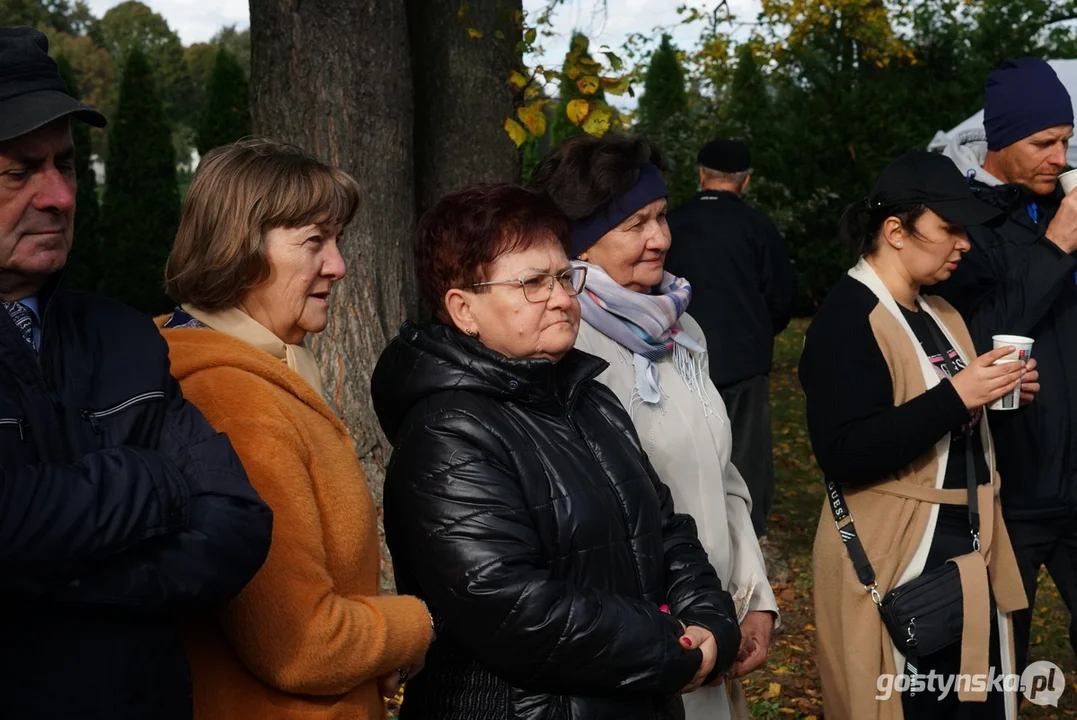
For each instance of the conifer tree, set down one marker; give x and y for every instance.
(226, 115)
(663, 117)
(663, 90)
(82, 265)
(140, 212)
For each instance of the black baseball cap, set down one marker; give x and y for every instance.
(32, 93)
(934, 181)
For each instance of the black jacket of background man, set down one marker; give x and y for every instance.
(1015, 281)
(120, 508)
(520, 505)
(742, 281)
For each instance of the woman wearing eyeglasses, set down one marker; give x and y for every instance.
(518, 503)
(634, 318)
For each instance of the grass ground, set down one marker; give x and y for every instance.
(788, 686)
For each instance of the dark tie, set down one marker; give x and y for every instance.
(23, 317)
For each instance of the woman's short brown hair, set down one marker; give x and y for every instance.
(238, 194)
(467, 230)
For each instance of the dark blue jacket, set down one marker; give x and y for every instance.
(120, 510)
(1015, 281)
(742, 281)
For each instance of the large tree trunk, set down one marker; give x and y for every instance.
(334, 77)
(462, 93)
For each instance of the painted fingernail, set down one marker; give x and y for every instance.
(664, 608)
(686, 641)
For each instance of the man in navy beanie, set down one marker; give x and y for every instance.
(1019, 279)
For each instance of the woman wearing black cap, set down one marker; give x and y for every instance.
(895, 398)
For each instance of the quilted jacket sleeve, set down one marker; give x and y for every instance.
(57, 519)
(225, 539)
(458, 524)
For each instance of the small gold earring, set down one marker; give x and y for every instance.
(472, 332)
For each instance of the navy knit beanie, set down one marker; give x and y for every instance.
(1023, 97)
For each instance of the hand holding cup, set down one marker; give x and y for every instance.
(983, 382)
(1063, 228)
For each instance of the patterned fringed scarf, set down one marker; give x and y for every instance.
(644, 324)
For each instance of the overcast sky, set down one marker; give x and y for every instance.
(194, 20)
(198, 20)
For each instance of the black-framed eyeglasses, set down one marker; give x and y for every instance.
(539, 287)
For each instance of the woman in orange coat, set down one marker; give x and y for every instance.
(254, 261)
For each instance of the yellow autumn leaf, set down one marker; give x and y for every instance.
(810, 717)
(615, 86)
(533, 118)
(588, 84)
(571, 70)
(589, 65)
(517, 79)
(598, 122)
(461, 13)
(529, 36)
(577, 110)
(474, 33)
(515, 131)
(773, 691)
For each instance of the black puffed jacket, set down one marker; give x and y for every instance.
(520, 506)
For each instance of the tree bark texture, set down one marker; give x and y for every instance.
(462, 93)
(334, 77)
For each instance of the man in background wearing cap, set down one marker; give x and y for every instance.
(742, 295)
(119, 504)
(1018, 279)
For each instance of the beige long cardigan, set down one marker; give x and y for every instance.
(896, 520)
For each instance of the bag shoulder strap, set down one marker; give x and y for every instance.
(970, 467)
(843, 519)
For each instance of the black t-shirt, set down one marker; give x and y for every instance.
(948, 363)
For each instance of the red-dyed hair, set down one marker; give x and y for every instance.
(467, 230)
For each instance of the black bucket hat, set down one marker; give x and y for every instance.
(934, 181)
(32, 93)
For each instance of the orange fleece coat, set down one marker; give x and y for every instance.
(309, 635)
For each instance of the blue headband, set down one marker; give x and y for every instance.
(587, 230)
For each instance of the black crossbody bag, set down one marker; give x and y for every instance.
(925, 614)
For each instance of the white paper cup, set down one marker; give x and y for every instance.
(1068, 181)
(1011, 400)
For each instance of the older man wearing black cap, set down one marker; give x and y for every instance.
(1018, 279)
(120, 507)
(742, 293)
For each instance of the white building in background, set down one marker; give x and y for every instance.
(99, 166)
